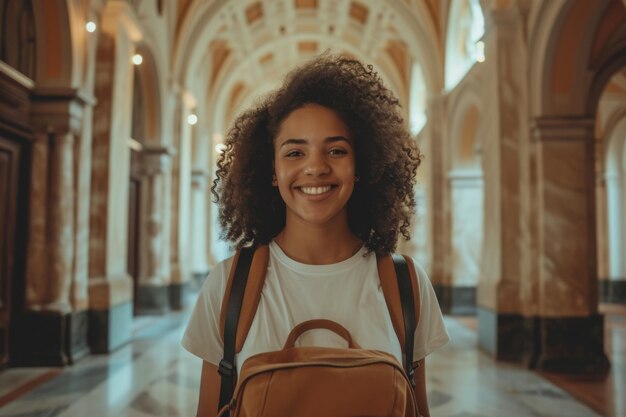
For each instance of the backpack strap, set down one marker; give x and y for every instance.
(398, 280)
(238, 307)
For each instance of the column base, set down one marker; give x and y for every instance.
(50, 338)
(178, 295)
(504, 336)
(456, 300)
(152, 299)
(570, 345)
(111, 328)
(612, 291)
(561, 345)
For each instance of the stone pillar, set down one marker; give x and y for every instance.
(52, 328)
(199, 220)
(439, 200)
(153, 290)
(501, 325)
(181, 199)
(61, 226)
(614, 290)
(568, 331)
(467, 236)
(110, 285)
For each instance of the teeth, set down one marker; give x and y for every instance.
(315, 190)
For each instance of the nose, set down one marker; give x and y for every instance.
(316, 165)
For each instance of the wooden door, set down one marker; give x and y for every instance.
(15, 137)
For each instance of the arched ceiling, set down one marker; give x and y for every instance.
(230, 52)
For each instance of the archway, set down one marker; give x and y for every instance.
(561, 286)
(611, 189)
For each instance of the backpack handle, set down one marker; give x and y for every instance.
(319, 324)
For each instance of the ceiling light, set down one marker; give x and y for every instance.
(137, 59)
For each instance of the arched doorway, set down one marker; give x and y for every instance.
(611, 189)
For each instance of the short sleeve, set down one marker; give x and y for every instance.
(431, 333)
(202, 335)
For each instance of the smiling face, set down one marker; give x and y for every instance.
(314, 166)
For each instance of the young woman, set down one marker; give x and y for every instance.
(323, 171)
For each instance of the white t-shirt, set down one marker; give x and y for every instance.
(347, 292)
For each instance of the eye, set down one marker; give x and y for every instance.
(337, 151)
(293, 153)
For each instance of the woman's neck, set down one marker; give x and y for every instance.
(318, 246)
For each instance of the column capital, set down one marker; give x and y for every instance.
(156, 159)
(59, 110)
(562, 129)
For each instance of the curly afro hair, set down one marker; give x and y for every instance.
(251, 210)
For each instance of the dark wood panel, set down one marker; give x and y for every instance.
(9, 183)
(15, 139)
(14, 105)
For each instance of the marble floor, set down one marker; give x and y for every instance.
(153, 376)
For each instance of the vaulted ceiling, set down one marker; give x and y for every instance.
(233, 51)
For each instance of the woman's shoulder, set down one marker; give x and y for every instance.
(217, 279)
(422, 276)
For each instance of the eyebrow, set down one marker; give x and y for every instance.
(299, 141)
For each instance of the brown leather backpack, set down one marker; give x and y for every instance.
(317, 381)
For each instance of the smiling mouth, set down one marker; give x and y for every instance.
(315, 190)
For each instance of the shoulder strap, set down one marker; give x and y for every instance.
(398, 280)
(238, 308)
(243, 292)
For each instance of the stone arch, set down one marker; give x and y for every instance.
(464, 31)
(420, 30)
(574, 48)
(568, 41)
(148, 82)
(57, 47)
(596, 53)
(229, 77)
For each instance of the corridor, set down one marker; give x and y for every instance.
(154, 377)
(114, 115)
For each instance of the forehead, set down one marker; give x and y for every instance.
(312, 121)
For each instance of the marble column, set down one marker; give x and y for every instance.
(569, 331)
(613, 206)
(52, 327)
(467, 201)
(501, 325)
(438, 197)
(181, 204)
(153, 290)
(61, 228)
(110, 285)
(199, 220)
